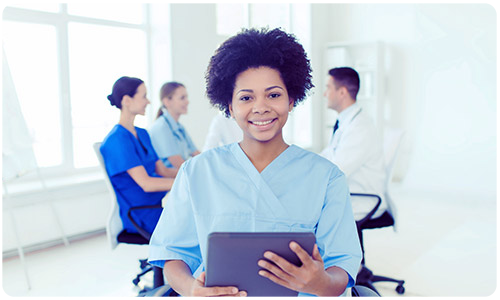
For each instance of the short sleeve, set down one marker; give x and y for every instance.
(192, 148)
(119, 154)
(336, 233)
(163, 139)
(175, 236)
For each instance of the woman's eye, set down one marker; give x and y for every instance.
(274, 95)
(245, 98)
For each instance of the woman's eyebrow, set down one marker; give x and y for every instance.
(267, 89)
(244, 90)
(274, 86)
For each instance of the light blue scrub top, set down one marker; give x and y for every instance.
(221, 190)
(170, 138)
(122, 151)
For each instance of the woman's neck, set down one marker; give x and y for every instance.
(127, 121)
(174, 116)
(261, 154)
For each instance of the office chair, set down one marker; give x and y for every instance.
(116, 234)
(392, 143)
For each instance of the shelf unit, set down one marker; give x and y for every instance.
(367, 58)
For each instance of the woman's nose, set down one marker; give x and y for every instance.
(260, 105)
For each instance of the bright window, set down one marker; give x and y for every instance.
(127, 13)
(48, 7)
(64, 59)
(98, 56)
(33, 65)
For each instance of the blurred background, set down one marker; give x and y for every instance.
(430, 69)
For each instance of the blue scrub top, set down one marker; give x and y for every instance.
(122, 151)
(170, 138)
(221, 190)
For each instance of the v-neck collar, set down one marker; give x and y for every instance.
(276, 164)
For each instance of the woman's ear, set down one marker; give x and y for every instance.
(231, 110)
(290, 105)
(126, 100)
(164, 101)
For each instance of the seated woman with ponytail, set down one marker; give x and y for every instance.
(138, 177)
(170, 139)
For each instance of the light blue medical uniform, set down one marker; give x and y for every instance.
(170, 138)
(221, 190)
(121, 151)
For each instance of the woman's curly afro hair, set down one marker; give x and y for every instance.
(252, 48)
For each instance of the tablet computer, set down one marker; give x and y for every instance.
(232, 259)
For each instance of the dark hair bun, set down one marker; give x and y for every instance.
(111, 100)
(123, 86)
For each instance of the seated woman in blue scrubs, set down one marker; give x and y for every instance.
(260, 184)
(138, 177)
(170, 139)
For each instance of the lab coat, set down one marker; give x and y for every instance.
(222, 131)
(356, 148)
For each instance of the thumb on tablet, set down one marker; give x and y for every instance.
(316, 255)
(202, 277)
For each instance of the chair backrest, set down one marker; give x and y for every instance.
(392, 146)
(114, 223)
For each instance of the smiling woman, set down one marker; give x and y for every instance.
(260, 106)
(136, 174)
(261, 184)
(169, 137)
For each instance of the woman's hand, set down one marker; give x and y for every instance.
(311, 277)
(198, 289)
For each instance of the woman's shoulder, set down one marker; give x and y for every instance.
(214, 157)
(314, 160)
(159, 122)
(116, 133)
(117, 137)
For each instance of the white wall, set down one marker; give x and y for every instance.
(441, 87)
(194, 41)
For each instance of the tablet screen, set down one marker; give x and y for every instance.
(232, 259)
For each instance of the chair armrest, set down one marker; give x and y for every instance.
(372, 212)
(363, 291)
(141, 230)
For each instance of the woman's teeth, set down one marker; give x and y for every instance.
(261, 123)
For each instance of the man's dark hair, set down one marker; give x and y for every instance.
(347, 77)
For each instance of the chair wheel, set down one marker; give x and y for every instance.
(136, 281)
(400, 289)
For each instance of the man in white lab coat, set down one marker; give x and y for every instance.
(355, 146)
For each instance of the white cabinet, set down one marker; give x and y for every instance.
(367, 58)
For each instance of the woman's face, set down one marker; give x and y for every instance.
(139, 102)
(260, 104)
(178, 103)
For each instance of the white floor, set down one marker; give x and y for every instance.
(443, 247)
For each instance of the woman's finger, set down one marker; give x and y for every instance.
(272, 268)
(316, 254)
(304, 257)
(220, 291)
(281, 262)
